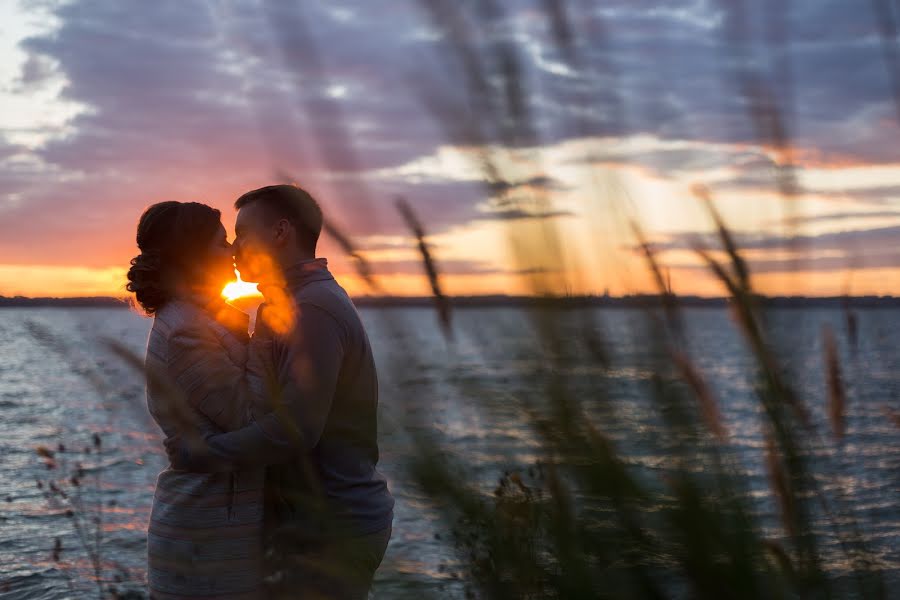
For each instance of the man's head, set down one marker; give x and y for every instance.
(276, 226)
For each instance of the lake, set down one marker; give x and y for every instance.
(59, 386)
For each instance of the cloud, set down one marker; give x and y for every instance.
(762, 178)
(870, 195)
(517, 214)
(841, 216)
(853, 249)
(835, 240)
(445, 267)
(540, 182)
(450, 267)
(180, 106)
(875, 260)
(197, 101)
(439, 204)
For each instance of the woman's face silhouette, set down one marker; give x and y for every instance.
(219, 268)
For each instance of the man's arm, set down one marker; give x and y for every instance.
(307, 373)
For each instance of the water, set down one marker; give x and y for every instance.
(59, 384)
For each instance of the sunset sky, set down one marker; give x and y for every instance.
(107, 107)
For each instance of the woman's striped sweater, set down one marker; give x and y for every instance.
(205, 534)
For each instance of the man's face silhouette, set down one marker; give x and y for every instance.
(255, 253)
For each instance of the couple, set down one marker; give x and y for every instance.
(272, 490)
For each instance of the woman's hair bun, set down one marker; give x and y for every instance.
(145, 280)
(170, 235)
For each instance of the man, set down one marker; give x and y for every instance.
(328, 510)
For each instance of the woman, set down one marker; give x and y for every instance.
(205, 533)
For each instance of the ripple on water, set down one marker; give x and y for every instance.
(471, 399)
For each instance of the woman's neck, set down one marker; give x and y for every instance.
(203, 293)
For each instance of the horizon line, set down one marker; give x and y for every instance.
(128, 299)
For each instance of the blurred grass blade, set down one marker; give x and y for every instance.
(441, 301)
(737, 261)
(709, 407)
(778, 483)
(837, 396)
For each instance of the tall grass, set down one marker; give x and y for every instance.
(585, 521)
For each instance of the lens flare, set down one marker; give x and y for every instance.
(239, 289)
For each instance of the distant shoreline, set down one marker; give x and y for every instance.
(499, 301)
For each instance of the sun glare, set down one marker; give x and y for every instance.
(239, 289)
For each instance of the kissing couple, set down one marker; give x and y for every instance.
(272, 489)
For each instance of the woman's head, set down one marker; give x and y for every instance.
(183, 246)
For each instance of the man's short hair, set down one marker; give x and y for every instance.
(292, 203)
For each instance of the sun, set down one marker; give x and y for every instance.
(239, 289)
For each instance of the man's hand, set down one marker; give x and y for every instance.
(176, 452)
(191, 453)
